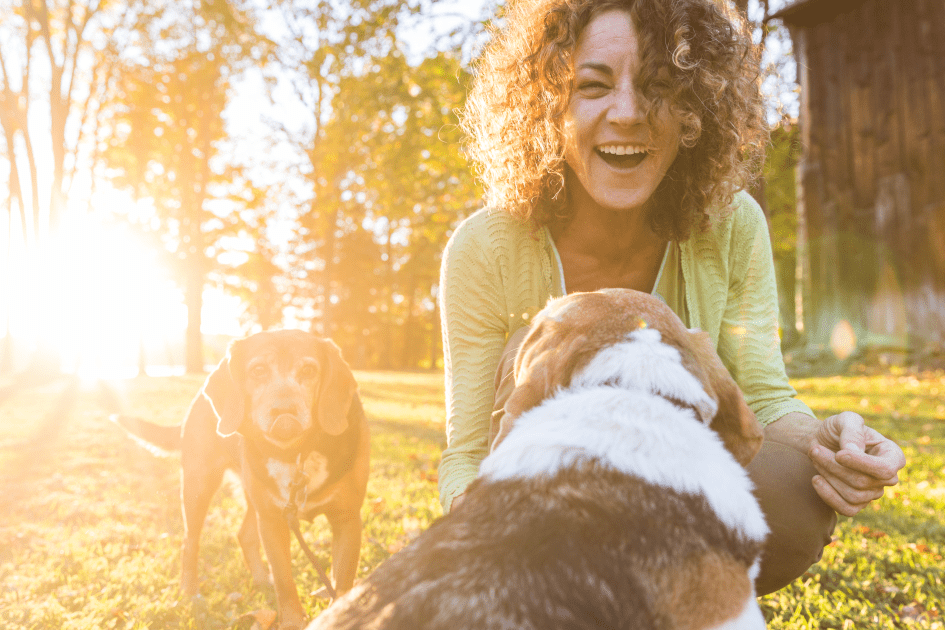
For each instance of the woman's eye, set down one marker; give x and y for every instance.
(307, 372)
(259, 371)
(592, 88)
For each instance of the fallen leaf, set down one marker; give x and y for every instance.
(912, 613)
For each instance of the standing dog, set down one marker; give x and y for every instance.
(283, 410)
(615, 495)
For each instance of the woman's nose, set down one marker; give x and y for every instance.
(628, 106)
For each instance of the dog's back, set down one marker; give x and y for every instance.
(555, 534)
(615, 496)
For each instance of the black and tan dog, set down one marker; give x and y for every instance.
(283, 410)
(615, 496)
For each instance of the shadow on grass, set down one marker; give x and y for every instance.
(411, 430)
(34, 456)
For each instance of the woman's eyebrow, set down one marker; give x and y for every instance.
(597, 66)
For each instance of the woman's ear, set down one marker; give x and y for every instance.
(222, 388)
(336, 392)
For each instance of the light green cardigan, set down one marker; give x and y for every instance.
(498, 272)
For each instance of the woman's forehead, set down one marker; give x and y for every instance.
(609, 35)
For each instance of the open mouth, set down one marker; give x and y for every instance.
(622, 156)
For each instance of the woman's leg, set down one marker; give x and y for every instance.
(801, 523)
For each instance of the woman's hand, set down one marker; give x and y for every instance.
(855, 462)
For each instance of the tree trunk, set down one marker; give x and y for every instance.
(329, 255)
(387, 358)
(408, 356)
(193, 298)
(434, 337)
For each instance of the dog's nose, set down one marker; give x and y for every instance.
(286, 427)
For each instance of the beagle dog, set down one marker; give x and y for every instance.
(283, 410)
(615, 495)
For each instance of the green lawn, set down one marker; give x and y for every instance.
(91, 524)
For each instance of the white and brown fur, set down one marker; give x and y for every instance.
(615, 495)
(278, 399)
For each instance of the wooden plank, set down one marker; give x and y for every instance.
(934, 32)
(863, 115)
(846, 27)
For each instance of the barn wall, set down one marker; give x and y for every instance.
(873, 171)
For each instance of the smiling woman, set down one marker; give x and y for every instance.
(97, 296)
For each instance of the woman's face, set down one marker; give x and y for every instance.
(617, 157)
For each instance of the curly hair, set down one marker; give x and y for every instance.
(514, 113)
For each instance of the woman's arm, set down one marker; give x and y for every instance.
(475, 327)
(854, 461)
(749, 344)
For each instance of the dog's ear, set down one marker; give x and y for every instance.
(736, 424)
(336, 391)
(544, 364)
(734, 421)
(226, 398)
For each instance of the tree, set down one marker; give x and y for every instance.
(781, 203)
(168, 108)
(50, 83)
(326, 43)
(405, 182)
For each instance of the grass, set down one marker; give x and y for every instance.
(90, 522)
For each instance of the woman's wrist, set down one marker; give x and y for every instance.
(794, 429)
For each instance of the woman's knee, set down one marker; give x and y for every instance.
(801, 523)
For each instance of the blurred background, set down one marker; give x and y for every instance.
(174, 174)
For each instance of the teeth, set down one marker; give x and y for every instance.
(622, 149)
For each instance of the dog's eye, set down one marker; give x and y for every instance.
(259, 371)
(307, 371)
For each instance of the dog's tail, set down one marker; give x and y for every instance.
(159, 439)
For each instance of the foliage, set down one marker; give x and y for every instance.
(55, 41)
(781, 189)
(173, 78)
(405, 186)
(384, 178)
(92, 524)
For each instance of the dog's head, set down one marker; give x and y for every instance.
(280, 384)
(633, 340)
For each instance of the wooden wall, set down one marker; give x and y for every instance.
(872, 176)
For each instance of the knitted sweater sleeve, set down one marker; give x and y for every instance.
(748, 343)
(475, 327)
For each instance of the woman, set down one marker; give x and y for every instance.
(612, 136)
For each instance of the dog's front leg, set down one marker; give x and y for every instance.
(345, 549)
(249, 543)
(276, 540)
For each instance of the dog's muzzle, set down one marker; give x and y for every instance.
(286, 428)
